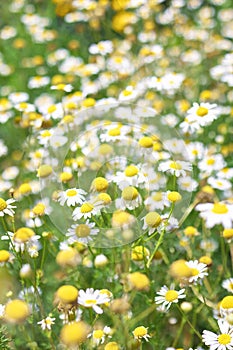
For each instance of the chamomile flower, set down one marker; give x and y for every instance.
(87, 210)
(130, 198)
(6, 207)
(219, 213)
(155, 201)
(131, 176)
(151, 221)
(140, 333)
(177, 168)
(198, 270)
(219, 184)
(102, 47)
(203, 114)
(168, 296)
(47, 323)
(72, 196)
(228, 284)
(82, 232)
(92, 299)
(222, 341)
(99, 335)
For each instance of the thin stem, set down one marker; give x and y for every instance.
(156, 247)
(189, 323)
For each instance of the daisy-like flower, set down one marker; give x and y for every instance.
(92, 298)
(151, 221)
(219, 184)
(102, 47)
(72, 196)
(228, 284)
(132, 176)
(46, 323)
(82, 232)
(87, 210)
(114, 132)
(23, 238)
(216, 214)
(198, 270)
(130, 198)
(6, 207)
(99, 335)
(62, 87)
(168, 296)
(156, 200)
(140, 333)
(203, 114)
(223, 341)
(177, 168)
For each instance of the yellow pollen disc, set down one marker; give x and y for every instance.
(4, 256)
(98, 334)
(46, 133)
(23, 105)
(23, 234)
(71, 193)
(86, 208)
(227, 302)
(44, 170)
(120, 217)
(104, 197)
(190, 231)
(127, 92)
(114, 132)
(90, 302)
(131, 170)
(100, 184)
(174, 196)
(157, 197)
(171, 295)
(175, 165)
(16, 310)
(67, 294)
(224, 339)
(153, 219)
(140, 331)
(219, 208)
(194, 271)
(82, 230)
(210, 161)
(228, 233)
(105, 149)
(52, 109)
(129, 193)
(202, 111)
(3, 204)
(146, 142)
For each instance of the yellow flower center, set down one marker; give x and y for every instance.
(146, 142)
(174, 196)
(64, 177)
(25, 188)
(202, 111)
(157, 197)
(46, 133)
(228, 233)
(71, 193)
(175, 165)
(171, 295)
(3, 204)
(44, 170)
(131, 170)
(190, 231)
(111, 346)
(104, 197)
(82, 230)
(4, 256)
(67, 294)
(194, 271)
(153, 219)
(100, 184)
(219, 208)
(227, 302)
(98, 334)
(120, 218)
(89, 102)
(114, 132)
(23, 105)
(52, 109)
(224, 339)
(129, 193)
(74, 333)
(210, 161)
(23, 234)
(105, 149)
(90, 302)
(140, 331)
(39, 209)
(16, 310)
(127, 92)
(86, 208)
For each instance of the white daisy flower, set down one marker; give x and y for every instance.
(216, 214)
(46, 323)
(92, 298)
(72, 196)
(130, 199)
(202, 114)
(211, 163)
(187, 184)
(132, 176)
(102, 47)
(219, 184)
(199, 270)
(223, 341)
(87, 210)
(82, 232)
(140, 333)
(99, 335)
(228, 284)
(6, 207)
(156, 200)
(177, 168)
(168, 296)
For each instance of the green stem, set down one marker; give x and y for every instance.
(156, 247)
(189, 323)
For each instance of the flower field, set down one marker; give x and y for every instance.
(116, 173)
